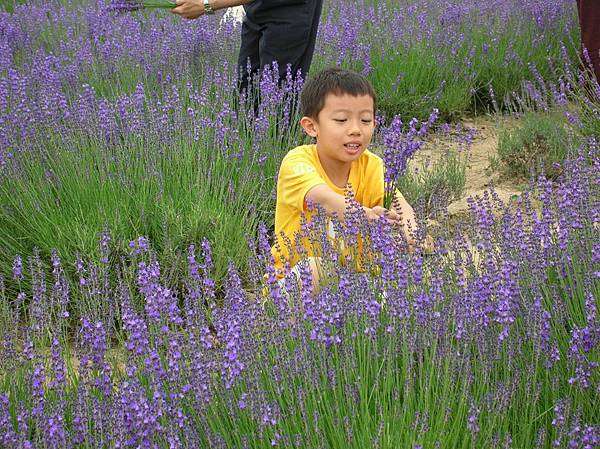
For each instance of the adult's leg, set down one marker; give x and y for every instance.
(249, 58)
(589, 21)
(306, 59)
(290, 38)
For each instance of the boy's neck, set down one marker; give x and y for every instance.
(337, 172)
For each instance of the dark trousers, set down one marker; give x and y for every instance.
(285, 34)
(589, 21)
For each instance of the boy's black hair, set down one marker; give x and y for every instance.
(333, 81)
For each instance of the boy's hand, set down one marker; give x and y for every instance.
(376, 212)
(428, 245)
(189, 9)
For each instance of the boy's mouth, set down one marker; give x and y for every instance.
(352, 148)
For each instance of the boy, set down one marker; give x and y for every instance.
(339, 112)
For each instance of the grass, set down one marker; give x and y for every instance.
(538, 144)
(176, 205)
(413, 82)
(9, 5)
(175, 190)
(393, 380)
(476, 70)
(63, 199)
(428, 182)
(408, 386)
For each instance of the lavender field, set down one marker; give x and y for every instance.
(137, 195)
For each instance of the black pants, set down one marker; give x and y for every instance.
(589, 20)
(286, 34)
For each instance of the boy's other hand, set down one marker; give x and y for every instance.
(189, 9)
(428, 245)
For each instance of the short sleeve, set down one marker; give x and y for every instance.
(376, 184)
(297, 175)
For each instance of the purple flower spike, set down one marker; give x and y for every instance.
(139, 246)
(472, 420)
(104, 245)
(18, 269)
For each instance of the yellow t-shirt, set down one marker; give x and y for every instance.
(300, 171)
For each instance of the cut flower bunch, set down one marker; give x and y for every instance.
(125, 6)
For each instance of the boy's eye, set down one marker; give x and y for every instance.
(367, 120)
(339, 120)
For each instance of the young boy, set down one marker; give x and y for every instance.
(339, 112)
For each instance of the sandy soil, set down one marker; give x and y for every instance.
(484, 132)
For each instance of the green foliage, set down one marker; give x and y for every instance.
(9, 5)
(589, 100)
(413, 386)
(444, 178)
(412, 82)
(394, 380)
(175, 197)
(483, 74)
(540, 140)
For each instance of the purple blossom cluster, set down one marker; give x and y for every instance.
(154, 77)
(510, 299)
(55, 87)
(503, 310)
(400, 145)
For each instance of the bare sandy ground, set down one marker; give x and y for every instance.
(480, 176)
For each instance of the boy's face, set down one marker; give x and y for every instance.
(343, 128)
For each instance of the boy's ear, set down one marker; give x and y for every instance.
(309, 126)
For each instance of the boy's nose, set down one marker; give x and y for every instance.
(354, 128)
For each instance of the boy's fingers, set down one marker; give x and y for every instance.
(394, 216)
(379, 210)
(429, 246)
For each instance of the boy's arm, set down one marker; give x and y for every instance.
(409, 224)
(407, 216)
(335, 204)
(192, 9)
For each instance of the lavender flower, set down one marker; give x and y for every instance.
(8, 437)
(472, 420)
(139, 246)
(235, 358)
(18, 269)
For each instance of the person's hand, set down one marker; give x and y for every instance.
(394, 218)
(189, 9)
(428, 245)
(374, 213)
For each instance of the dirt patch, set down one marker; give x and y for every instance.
(477, 140)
